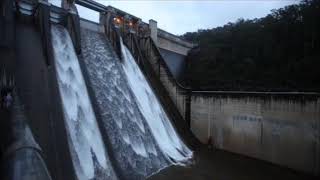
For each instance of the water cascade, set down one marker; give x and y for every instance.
(158, 121)
(142, 139)
(85, 142)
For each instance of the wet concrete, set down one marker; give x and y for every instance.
(4, 130)
(221, 165)
(36, 85)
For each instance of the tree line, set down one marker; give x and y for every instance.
(279, 52)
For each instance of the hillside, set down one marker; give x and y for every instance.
(279, 52)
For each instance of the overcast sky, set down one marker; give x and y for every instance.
(180, 16)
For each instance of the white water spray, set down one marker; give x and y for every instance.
(158, 121)
(84, 137)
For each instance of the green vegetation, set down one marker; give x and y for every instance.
(280, 52)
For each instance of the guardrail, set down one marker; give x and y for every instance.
(179, 95)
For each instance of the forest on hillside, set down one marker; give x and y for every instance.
(279, 52)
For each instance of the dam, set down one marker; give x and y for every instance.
(102, 100)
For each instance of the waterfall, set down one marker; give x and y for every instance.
(88, 152)
(158, 121)
(140, 136)
(133, 146)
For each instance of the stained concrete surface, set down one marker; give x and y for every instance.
(4, 130)
(280, 129)
(211, 164)
(36, 85)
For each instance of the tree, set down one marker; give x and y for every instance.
(279, 52)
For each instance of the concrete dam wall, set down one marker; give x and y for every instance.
(282, 131)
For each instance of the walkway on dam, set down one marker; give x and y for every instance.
(211, 164)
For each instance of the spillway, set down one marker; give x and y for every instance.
(141, 136)
(155, 116)
(88, 153)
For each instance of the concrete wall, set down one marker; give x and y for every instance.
(174, 55)
(91, 25)
(170, 45)
(283, 131)
(176, 63)
(37, 86)
(7, 36)
(153, 30)
(173, 43)
(173, 49)
(168, 41)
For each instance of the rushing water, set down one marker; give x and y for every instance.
(158, 121)
(143, 140)
(85, 142)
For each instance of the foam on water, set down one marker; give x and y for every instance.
(133, 146)
(142, 139)
(87, 149)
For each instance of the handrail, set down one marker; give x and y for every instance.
(161, 60)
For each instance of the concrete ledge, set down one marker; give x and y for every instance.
(172, 46)
(173, 38)
(91, 25)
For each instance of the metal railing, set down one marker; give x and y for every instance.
(179, 94)
(152, 51)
